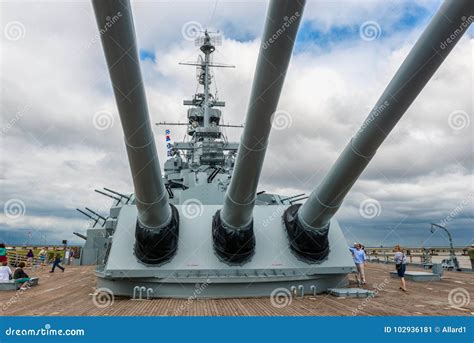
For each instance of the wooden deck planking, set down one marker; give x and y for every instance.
(69, 294)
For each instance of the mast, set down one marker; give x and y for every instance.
(207, 48)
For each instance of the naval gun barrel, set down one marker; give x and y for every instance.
(232, 227)
(156, 230)
(80, 235)
(308, 225)
(97, 214)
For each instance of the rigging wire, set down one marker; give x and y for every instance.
(213, 13)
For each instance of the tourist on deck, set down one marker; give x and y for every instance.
(29, 258)
(5, 272)
(401, 265)
(3, 253)
(42, 256)
(20, 276)
(56, 263)
(360, 260)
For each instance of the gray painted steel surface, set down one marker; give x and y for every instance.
(272, 64)
(424, 59)
(418, 276)
(119, 44)
(273, 265)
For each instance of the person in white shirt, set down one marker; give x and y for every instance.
(5, 272)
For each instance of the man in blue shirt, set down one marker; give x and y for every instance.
(358, 254)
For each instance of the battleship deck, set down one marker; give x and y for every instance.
(70, 294)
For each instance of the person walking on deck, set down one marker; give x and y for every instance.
(360, 260)
(56, 263)
(401, 265)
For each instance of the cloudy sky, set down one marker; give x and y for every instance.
(61, 137)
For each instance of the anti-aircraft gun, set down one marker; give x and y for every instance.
(203, 220)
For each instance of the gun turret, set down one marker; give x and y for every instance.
(308, 225)
(233, 235)
(157, 223)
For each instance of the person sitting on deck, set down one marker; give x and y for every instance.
(5, 272)
(20, 276)
(401, 265)
(56, 262)
(359, 259)
(3, 253)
